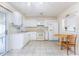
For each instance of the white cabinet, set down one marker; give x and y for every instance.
(19, 40)
(17, 19)
(26, 38)
(32, 35)
(46, 35)
(29, 23)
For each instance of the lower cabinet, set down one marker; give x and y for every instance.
(19, 40)
(32, 35)
(36, 36)
(26, 39)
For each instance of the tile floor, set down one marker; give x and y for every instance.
(40, 48)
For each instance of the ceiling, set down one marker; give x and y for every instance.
(41, 8)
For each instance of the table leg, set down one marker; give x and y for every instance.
(61, 43)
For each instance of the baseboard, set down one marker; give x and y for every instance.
(54, 40)
(5, 52)
(26, 44)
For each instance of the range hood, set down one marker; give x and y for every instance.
(40, 25)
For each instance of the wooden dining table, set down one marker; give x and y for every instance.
(61, 38)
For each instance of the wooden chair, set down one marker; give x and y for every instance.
(71, 42)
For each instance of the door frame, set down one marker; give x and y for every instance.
(5, 23)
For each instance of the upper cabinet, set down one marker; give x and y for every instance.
(29, 23)
(17, 20)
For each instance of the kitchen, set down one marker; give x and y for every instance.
(34, 29)
(30, 26)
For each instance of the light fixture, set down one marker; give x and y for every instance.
(40, 3)
(28, 3)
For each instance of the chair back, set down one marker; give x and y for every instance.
(71, 38)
